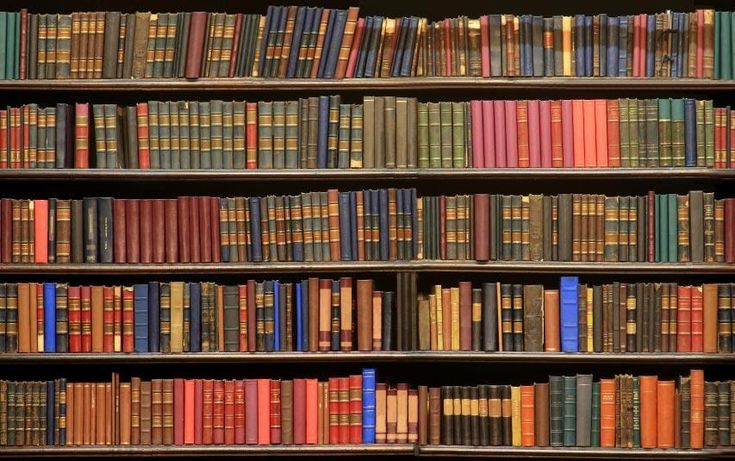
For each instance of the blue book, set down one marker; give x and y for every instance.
(612, 46)
(353, 225)
(266, 32)
(568, 301)
(299, 318)
(603, 46)
(383, 211)
(579, 45)
(650, 38)
(323, 131)
(371, 61)
(407, 60)
(195, 317)
(525, 39)
(224, 227)
(344, 226)
(154, 317)
(293, 56)
(337, 35)
(623, 47)
(304, 315)
(50, 405)
(368, 405)
(402, 26)
(49, 317)
(328, 36)
(588, 46)
(268, 316)
(690, 132)
(276, 316)
(363, 52)
(140, 292)
(256, 245)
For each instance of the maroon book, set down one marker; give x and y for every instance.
(251, 316)
(482, 227)
(182, 205)
(194, 238)
(132, 230)
(299, 411)
(178, 411)
(158, 236)
(146, 229)
(118, 230)
(207, 412)
(195, 46)
(6, 230)
(171, 232)
(214, 228)
(240, 412)
(251, 411)
(218, 415)
(730, 230)
(205, 229)
(229, 412)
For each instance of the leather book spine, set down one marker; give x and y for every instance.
(648, 412)
(584, 410)
(533, 323)
(527, 426)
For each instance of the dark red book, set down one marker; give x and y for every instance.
(332, 405)
(179, 411)
(344, 410)
(74, 303)
(108, 320)
(251, 411)
(214, 229)
(355, 409)
(205, 229)
(132, 230)
(182, 216)
(81, 135)
(229, 412)
(235, 45)
(488, 133)
(482, 227)
(240, 412)
(6, 230)
(251, 315)
(545, 133)
(118, 230)
(729, 230)
(158, 216)
(195, 46)
(198, 411)
(511, 134)
(128, 318)
(275, 412)
(207, 412)
(146, 229)
(171, 231)
(218, 416)
(86, 318)
(299, 411)
(501, 152)
(194, 236)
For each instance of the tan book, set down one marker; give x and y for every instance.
(381, 416)
(515, 402)
(402, 413)
(177, 316)
(125, 414)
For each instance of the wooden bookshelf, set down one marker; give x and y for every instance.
(576, 452)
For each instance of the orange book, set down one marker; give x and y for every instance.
(97, 319)
(40, 231)
(189, 386)
(528, 436)
(446, 317)
(551, 321)
(607, 413)
(311, 411)
(556, 135)
(590, 146)
(264, 405)
(696, 416)
(613, 132)
(665, 417)
(601, 133)
(125, 414)
(578, 126)
(649, 400)
(709, 317)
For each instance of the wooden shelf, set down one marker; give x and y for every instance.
(306, 175)
(573, 452)
(490, 267)
(96, 359)
(547, 84)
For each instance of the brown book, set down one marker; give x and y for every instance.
(313, 314)
(124, 424)
(551, 321)
(541, 416)
(465, 316)
(145, 413)
(423, 415)
(533, 318)
(565, 232)
(156, 411)
(536, 227)
(648, 412)
(381, 397)
(482, 226)
(100, 416)
(434, 416)
(364, 315)
(709, 321)
(135, 411)
(287, 412)
(140, 43)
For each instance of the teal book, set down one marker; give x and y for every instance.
(657, 228)
(664, 131)
(3, 49)
(636, 413)
(569, 412)
(672, 228)
(595, 433)
(16, 49)
(726, 45)
(718, 44)
(9, 45)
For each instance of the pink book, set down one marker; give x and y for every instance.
(478, 155)
(636, 45)
(567, 133)
(484, 47)
(40, 231)
(500, 148)
(601, 132)
(590, 156)
(642, 44)
(312, 409)
(446, 29)
(534, 133)
(578, 123)
(545, 132)
(189, 410)
(511, 134)
(354, 51)
(488, 133)
(251, 411)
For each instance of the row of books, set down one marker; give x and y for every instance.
(347, 315)
(381, 132)
(305, 42)
(381, 224)
(574, 411)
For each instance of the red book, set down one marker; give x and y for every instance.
(240, 412)
(6, 229)
(732, 139)
(119, 230)
(579, 132)
(568, 135)
(132, 230)
(334, 410)
(601, 133)
(171, 230)
(488, 134)
(40, 231)
(198, 411)
(446, 29)
(697, 319)
(528, 435)
(144, 152)
(275, 411)
(534, 133)
(700, 43)
(522, 133)
(545, 133)
(251, 134)
(355, 408)
(108, 320)
(86, 318)
(484, 46)
(74, 303)
(251, 315)
(590, 144)
(81, 135)
(208, 412)
(613, 133)
(251, 411)
(128, 320)
(205, 229)
(15, 137)
(194, 235)
(218, 416)
(729, 230)
(354, 50)
(311, 411)
(264, 397)
(344, 410)
(478, 155)
(501, 152)
(182, 207)
(643, 48)
(511, 134)
(179, 411)
(158, 226)
(299, 411)
(696, 427)
(229, 428)
(666, 401)
(636, 45)
(26, 135)
(651, 226)
(146, 230)
(235, 45)
(189, 405)
(214, 229)
(3, 138)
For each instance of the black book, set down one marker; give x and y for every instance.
(104, 226)
(91, 230)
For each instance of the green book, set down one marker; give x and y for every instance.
(672, 229)
(164, 134)
(556, 409)
(100, 145)
(153, 138)
(3, 49)
(569, 412)
(624, 133)
(194, 144)
(718, 45)
(175, 134)
(292, 134)
(445, 120)
(10, 47)
(709, 134)
(435, 135)
(636, 413)
(595, 434)
(700, 123)
(458, 135)
(658, 236)
(63, 46)
(633, 129)
(664, 131)
(265, 135)
(652, 135)
(205, 135)
(726, 45)
(356, 130)
(677, 132)
(279, 135)
(216, 109)
(423, 134)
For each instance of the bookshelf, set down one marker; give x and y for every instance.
(420, 365)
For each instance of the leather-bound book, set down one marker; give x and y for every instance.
(684, 409)
(665, 407)
(465, 316)
(556, 415)
(198, 411)
(489, 317)
(167, 411)
(527, 413)
(709, 317)
(607, 413)
(541, 414)
(274, 411)
(569, 411)
(533, 318)
(584, 410)
(435, 416)
(287, 412)
(146, 413)
(447, 418)
(239, 412)
(208, 411)
(178, 413)
(381, 412)
(423, 415)
(465, 418)
(711, 418)
(551, 321)
(482, 226)
(263, 408)
(724, 400)
(124, 415)
(156, 411)
(506, 420)
(649, 412)
(696, 419)
(516, 433)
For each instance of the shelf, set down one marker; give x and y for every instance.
(96, 359)
(367, 174)
(490, 267)
(206, 451)
(547, 84)
(573, 452)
